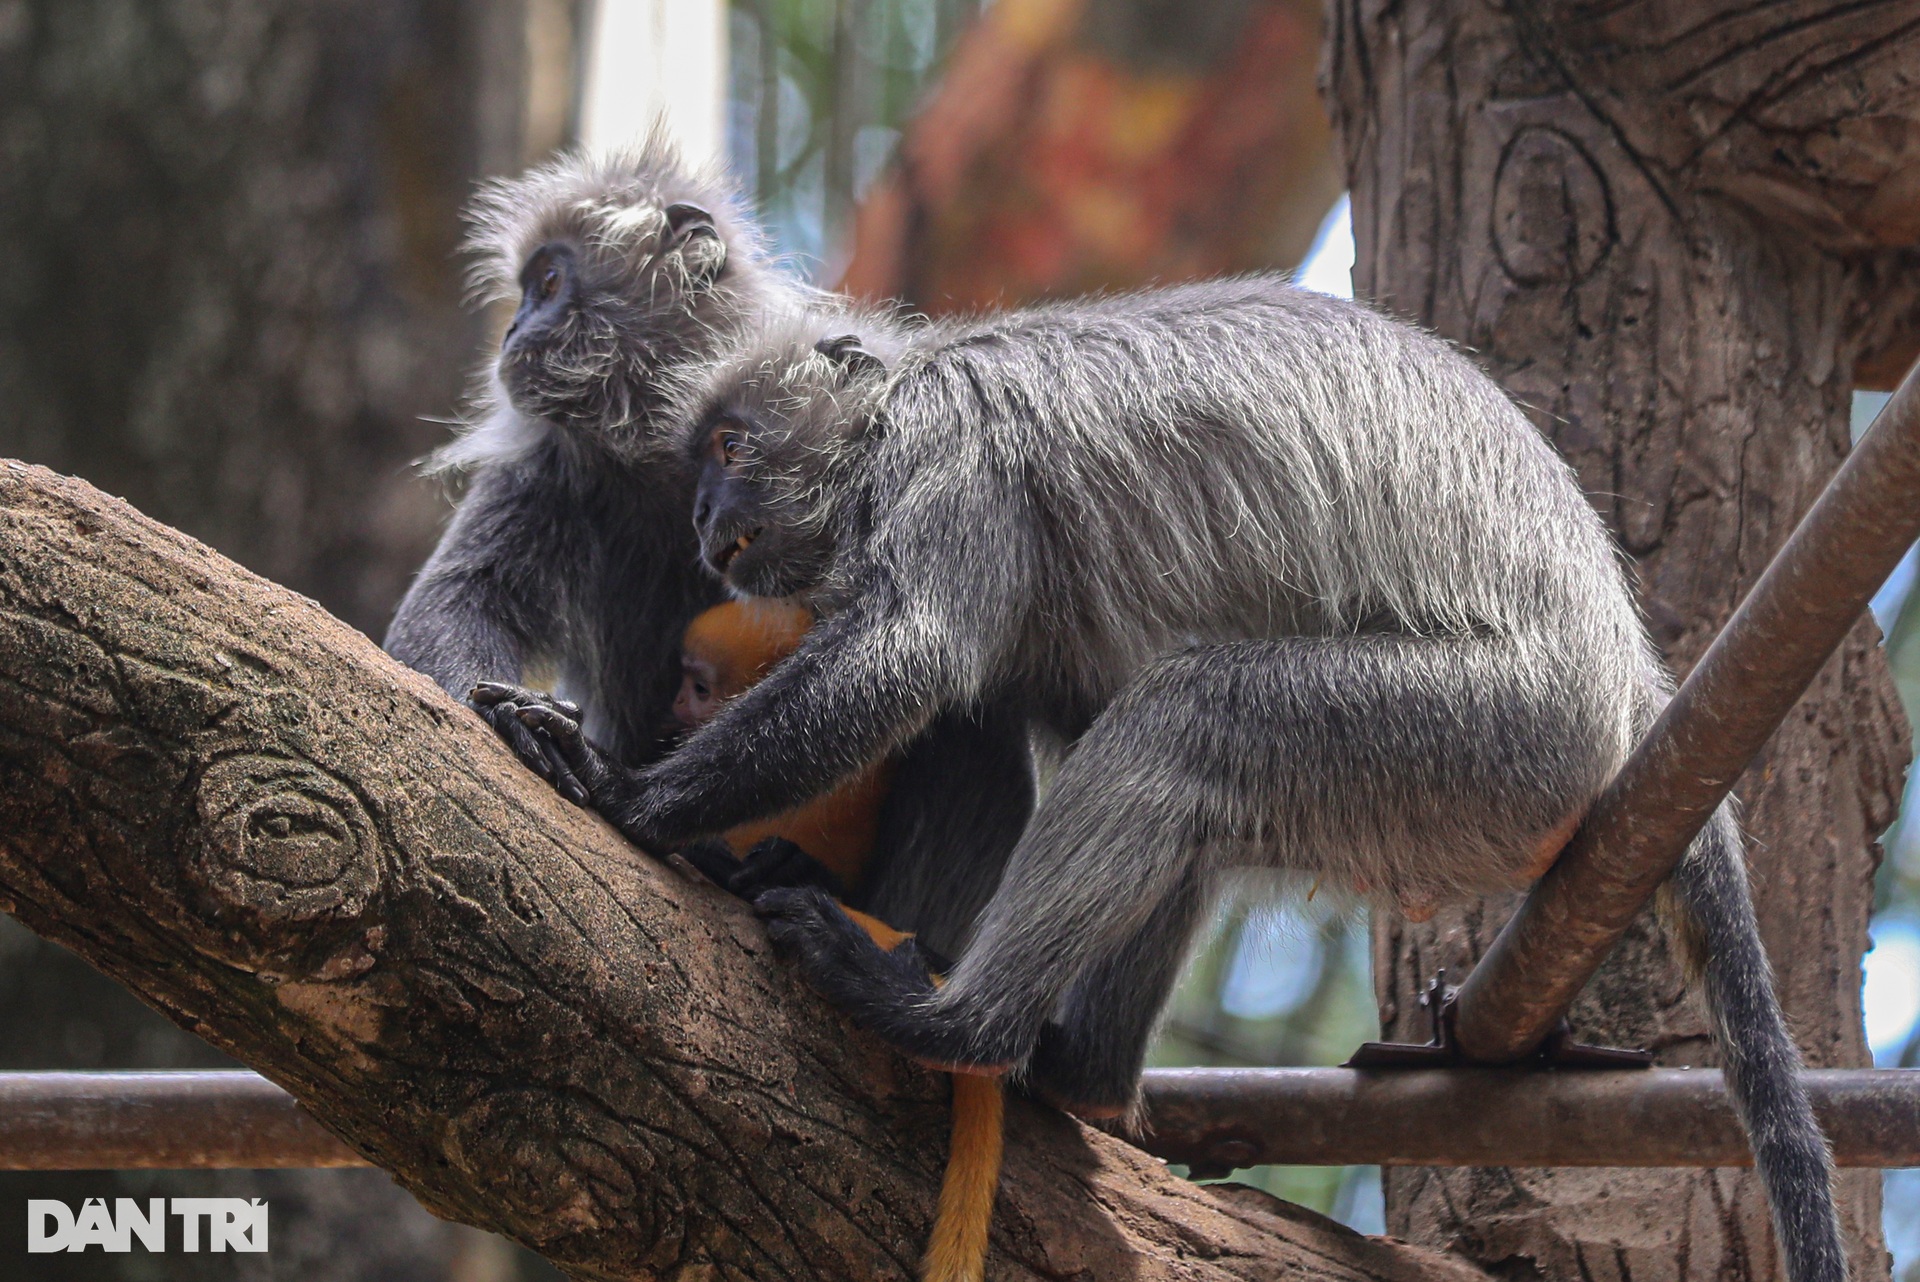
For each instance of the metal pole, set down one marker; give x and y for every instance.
(1217, 1119)
(1756, 670)
(167, 1121)
(1210, 1118)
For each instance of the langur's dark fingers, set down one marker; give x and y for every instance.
(795, 916)
(556, 725)
(569, 707)
(562, 736)
(500, 717)
(530, 750)
(714, 860)
(518, 737)
(565, 782)
(492, 692)
(777, 863)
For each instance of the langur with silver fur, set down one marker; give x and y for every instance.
(1296, 587)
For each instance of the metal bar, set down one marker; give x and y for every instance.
(1756, 670)
(1207, 1117)
(1217, 1119)
(165, 1121)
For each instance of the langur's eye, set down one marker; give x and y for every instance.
(726, 446)
(700, 691)
(549, 284)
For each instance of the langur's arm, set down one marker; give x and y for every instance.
(475, 612)
(480, 607)
(936, 593)
(858, 687)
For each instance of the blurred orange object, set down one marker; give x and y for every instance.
(1075, 146)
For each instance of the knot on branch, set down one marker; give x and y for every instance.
(1552, 210)
(279, 841)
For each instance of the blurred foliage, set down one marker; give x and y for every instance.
(820, 90)
(1282, 983)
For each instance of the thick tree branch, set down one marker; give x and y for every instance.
(241, 809)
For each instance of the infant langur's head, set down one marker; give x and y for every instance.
(729, 648)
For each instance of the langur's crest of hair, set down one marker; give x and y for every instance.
(611, 204)
(808, 390)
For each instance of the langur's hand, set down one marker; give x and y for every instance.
(555, 752)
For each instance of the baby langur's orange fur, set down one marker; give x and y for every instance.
(725, 650)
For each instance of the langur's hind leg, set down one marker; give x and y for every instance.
(1088, 1061)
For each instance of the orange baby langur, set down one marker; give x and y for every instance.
(726, 650)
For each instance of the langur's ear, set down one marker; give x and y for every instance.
(850, 354)
(692, 234)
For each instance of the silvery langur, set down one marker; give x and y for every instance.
(1298, 586)
(572, 549)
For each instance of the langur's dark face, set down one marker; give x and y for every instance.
(549, 284)
(595, 324)
(549, 334)
(752, 540)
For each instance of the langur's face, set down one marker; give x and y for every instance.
(700, 693)
(756, 539)
(596, 321)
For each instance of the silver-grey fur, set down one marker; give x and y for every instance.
(1300, 586)
(571, 548)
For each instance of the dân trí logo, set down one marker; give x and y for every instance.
(230, 1224)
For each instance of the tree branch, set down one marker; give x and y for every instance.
(238, 807)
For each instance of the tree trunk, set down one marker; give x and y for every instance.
(1657, 225)
(313, 858)
(230, 293)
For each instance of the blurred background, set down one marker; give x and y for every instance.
(232, 293)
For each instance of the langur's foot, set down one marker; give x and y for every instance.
(772, 864)
(778, 864)
(888, 993)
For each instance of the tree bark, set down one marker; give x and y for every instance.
(230, 292)
(1659, 227)
(313, 858)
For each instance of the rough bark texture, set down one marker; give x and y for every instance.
(229, 292)
(1076, 145)
(240, 808)
(1663, 227)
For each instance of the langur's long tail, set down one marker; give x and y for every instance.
(957, 1248)
(1720, 944)
(957, 1251)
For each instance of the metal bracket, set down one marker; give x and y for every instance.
(1560, 1050)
